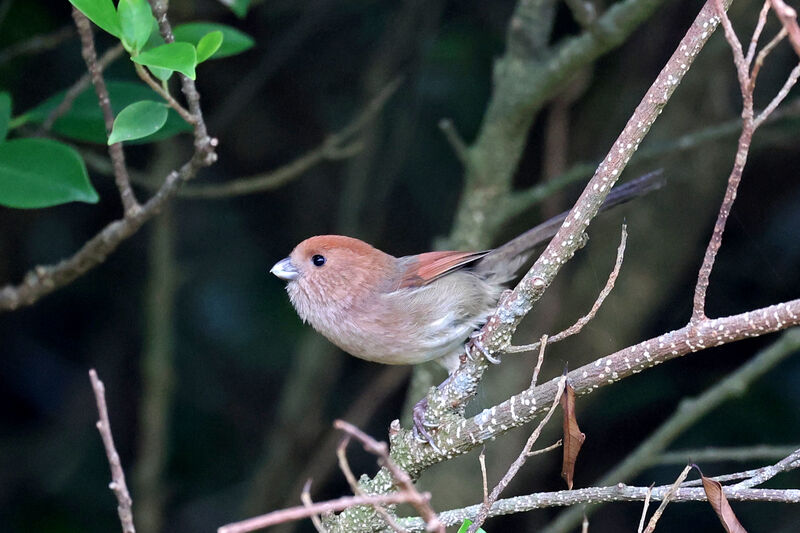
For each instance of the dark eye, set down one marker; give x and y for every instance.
(318, 260)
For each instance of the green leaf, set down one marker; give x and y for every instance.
(234, 42)
(136, 20)
(5, 114)
(84, 120)
(174, 56)
(138, 120)
(209, 44)
(465, 526)
(162, 74)
(102, 13)
(41, 173)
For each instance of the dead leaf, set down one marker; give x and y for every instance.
(573, 438)
(716, 497)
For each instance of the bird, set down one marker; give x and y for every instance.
(416, 308)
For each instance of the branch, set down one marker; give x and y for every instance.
(110, 55)
(579, 325)
(121, 177)
(401, 478)
(336, 146)
(689, 412)
(483, 512)
(117, 485)
(788, 17)
(651, 526)
(712, 454)
(305, 511)
(43, 280)
(36, 44)
(496, 334)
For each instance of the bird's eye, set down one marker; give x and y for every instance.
(318, 260)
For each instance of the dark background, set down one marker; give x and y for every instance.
(252, 391)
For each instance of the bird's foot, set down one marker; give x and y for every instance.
(475, 342)
(421, 424)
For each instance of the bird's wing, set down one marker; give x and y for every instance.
(424, 268)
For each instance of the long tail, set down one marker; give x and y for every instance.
(505, 260)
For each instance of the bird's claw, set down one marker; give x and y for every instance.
(421, 425)
(474, 341)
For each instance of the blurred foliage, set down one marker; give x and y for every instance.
(236, 337)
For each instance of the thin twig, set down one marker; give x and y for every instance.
(344, 466)
(539, 360)
(484, 478)
(331, 506)
(108, 57)
(305, 497)
(540, 451)
(788, 17)
(456, 141)
(483, 512)
(117, 485)
(581, 322)
(145, 76)
(735, 177)
(710, 454)
(762, 20)
(402, 479)
(651, 525)
(583, 11)
(121, 177)
(35, 44)
(763, 53)
(791, 80)
(336, 146)
(644, 509)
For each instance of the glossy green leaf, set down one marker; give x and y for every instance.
(234, 42)
(465, 527)
(41, 173)
(5, 114)
(209, 44)
(84, 120)
(102, 13)
(138, 120)
(136, 20)
(180, 57)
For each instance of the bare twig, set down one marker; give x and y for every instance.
(788, 17)
(121, 177)
(145, 76)
(553, 446)
(108, 57)
(711, 454)
(482, 461)
(336, 146)
(539, 360)
(304, 511)
(457, 143)
(651, 525)
(762, 20)
(35, 44)
(791, 80)
(644, 509)
(402, 479)
(579, 325)
(483, 512)
(344, 466)
(688, 412)
(762, 55)
(305, 497)
(117, 485)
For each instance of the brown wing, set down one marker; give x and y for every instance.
(424, 268)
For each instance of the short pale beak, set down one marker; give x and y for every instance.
(285, 270)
